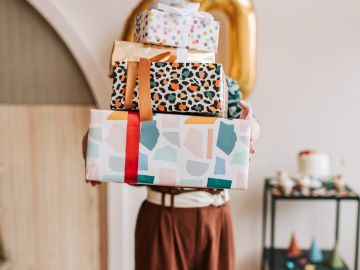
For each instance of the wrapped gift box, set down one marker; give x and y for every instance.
(178, 28)
(176, 87)
(132, 51)
(170, 150)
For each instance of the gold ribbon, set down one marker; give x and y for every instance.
(141, 70)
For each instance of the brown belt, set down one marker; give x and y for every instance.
(177, 191)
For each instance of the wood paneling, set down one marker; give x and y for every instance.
(36, 66)
(50, 219)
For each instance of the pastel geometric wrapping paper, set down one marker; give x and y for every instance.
(163, 28)
(173, 150)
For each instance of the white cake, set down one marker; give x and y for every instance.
(314, 164)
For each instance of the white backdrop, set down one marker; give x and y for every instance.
(306, 96)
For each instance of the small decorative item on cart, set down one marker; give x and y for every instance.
(315, 253)
(285, 182)
(335, 259)
(293, 250)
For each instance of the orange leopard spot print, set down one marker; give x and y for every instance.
(193, 88)
(174, 86)
(118, 104)
(161, 108)
(182, 107)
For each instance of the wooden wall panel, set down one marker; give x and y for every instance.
(50, 219)
(36, 66)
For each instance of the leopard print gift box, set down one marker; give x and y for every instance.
(176, 87)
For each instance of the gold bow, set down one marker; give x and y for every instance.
(141, 70)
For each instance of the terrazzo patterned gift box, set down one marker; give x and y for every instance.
(170, 150)
(176, 88)
(161, 27)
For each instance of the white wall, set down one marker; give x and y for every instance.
(306, 96)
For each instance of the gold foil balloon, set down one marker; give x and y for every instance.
(242, 45)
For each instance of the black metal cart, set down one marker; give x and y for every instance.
(275, 258)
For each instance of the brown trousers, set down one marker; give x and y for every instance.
(184, 238)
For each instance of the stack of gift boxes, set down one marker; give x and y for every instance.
(167, 124)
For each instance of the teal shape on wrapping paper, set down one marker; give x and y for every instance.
(171, 97)
(217, 69)
(93, 150)
(167, 153)
(95, 134)
(218, 183)
(196, 168)
(116, 164)
(113, 177)
(143, 162)
(241, 158)
(185, 73)
(145, 179)
(160, 64)
(192, 182)
(172, 137)
(152, 84)
(197, 108)
(209, 94)
(226, 138)
(245, 140)
(219, 166)
(149, 134)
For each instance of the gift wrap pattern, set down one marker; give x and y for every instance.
(176, 87)
(234, 95)
(132, 51)
(183, 151)
(163, 28)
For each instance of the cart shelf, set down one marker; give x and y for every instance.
(275, 258)
(280, 259)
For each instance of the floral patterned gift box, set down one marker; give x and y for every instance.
(177, 27)
(170, 150)
(198, 88)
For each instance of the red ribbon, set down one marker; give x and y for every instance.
(132, 148)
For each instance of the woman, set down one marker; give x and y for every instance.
(185, 228)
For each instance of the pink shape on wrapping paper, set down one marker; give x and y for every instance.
(114, 140)
(169, 122)
(92, 172)
(210, 140)
(167, 177)
(194, 142)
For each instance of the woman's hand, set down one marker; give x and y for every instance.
(84, 149)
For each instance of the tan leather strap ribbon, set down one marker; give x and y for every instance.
(141, 70)
(145, 107)
(171, 57)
